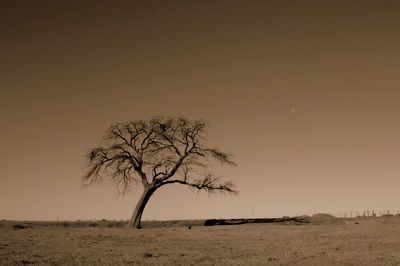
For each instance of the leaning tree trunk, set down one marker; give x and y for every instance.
(136, 217)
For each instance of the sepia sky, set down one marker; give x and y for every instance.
(305, 94)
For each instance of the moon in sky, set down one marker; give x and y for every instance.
(293, 110)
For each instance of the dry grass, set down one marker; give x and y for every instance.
(370, 242)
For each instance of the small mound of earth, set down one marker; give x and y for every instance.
(324, 218)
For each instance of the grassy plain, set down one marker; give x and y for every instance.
(352, 242)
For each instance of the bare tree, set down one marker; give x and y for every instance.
(155, 153)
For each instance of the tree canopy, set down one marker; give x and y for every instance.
(158, 152)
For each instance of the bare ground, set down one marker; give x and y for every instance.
(369, 242)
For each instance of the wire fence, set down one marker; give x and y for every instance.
(367, 214)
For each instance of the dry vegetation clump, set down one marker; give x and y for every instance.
(283, 220)
(23, 226)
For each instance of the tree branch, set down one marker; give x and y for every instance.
(208, 183)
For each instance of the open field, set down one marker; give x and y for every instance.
(352, 242)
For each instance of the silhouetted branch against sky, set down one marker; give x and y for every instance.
(159, 151)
